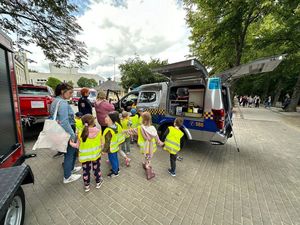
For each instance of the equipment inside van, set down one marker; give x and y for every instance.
(204, 102)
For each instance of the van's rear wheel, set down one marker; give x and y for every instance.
(16, 211)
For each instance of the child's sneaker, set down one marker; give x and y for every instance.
(127, 162)
(112, 174)
(171, 173)
(179, 158)
(98, 185)
(112, 170)
(87, 188)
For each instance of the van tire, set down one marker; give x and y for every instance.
(18, 202)
(185, 139)
(162, 129)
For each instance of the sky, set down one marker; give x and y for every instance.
(125, 28)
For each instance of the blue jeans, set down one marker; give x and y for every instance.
(114, 162)
(69, 161)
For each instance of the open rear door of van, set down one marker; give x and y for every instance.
(258, 66)
(189, 70)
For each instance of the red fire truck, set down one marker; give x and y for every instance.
(13, 172)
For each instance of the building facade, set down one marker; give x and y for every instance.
(64, 74)
(21, 68)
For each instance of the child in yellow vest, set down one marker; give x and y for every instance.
(134, 118)
(78, 122)
(89, 144)
(125, 148)
(113, 138)
(173, 140)
(147, 141)
(140, 113)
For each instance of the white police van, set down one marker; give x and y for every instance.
(204, 102)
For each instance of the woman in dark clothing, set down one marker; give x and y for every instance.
(84, 105)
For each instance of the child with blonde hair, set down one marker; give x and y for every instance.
(147, 141)
(89, 143)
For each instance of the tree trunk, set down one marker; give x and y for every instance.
(277, 92)
(295, 97)
(265, 93)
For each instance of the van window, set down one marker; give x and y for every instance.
(147, 97)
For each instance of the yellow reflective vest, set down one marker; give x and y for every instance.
(116, 139)
(172, 142)
(90, 150)
(79, 125)
(135, 121)
(144, 149)
(140, 120)
(125, 125)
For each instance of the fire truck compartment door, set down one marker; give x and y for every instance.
(8, 132)
(189, 70)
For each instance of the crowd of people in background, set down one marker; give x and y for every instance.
(249, 101)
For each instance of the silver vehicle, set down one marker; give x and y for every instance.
(92, 96)
(204, 102)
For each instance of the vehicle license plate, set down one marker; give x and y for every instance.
(37, 105)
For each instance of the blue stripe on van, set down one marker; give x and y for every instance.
(205, 125)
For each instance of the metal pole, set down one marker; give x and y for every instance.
(114, 68)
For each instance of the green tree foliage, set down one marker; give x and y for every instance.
(220, 28)
(71, 83)
(51, 25)
(85, 82)
(227, 33)
(53, 82)
(93, 82)
(136, 72)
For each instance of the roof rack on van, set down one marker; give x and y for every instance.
(185, 70)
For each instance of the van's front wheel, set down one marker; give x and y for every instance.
(16, 211)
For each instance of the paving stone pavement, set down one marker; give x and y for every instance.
(214, 184)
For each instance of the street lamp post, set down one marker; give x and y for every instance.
(114, 67)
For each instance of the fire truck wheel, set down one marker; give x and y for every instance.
(16, 211)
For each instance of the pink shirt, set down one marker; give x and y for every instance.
(102, 108)
(93, 132)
